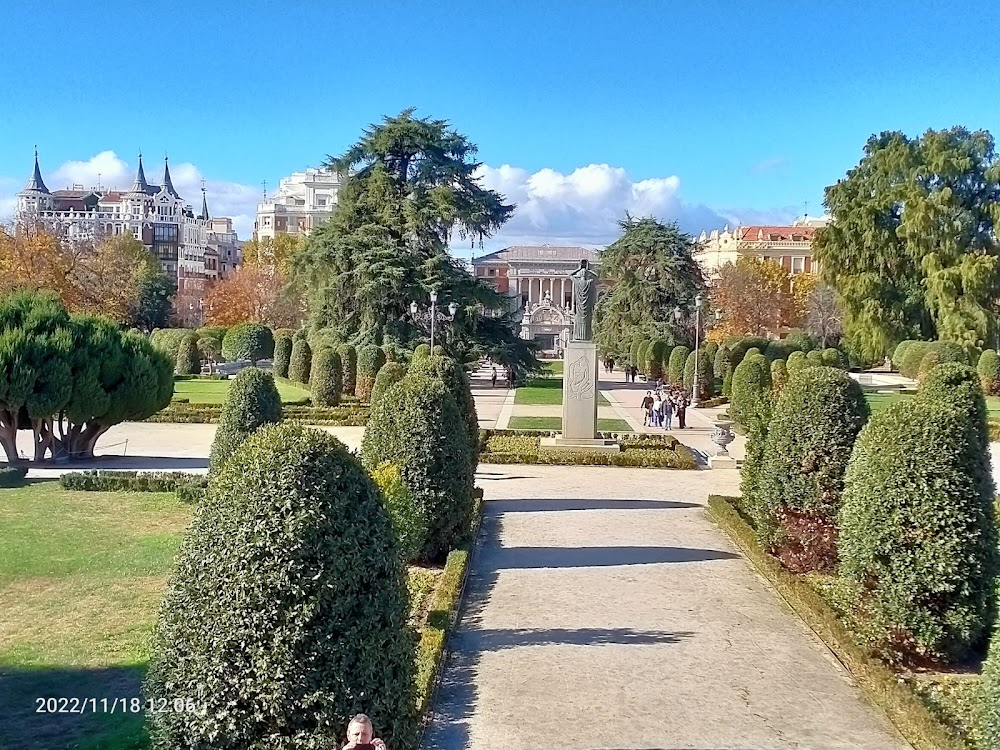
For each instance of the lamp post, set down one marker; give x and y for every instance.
(452, 311)
(698, 301)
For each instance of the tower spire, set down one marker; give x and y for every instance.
(204, 203)
(36, 183)
(140, 185)
(167, 183)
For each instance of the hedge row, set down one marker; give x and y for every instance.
(101, 480)
(527, 448)
(345, 414)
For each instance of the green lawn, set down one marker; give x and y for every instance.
(81, 579)
(545, 391)
(214, 391)
(555, 423)
(553, 368)
(879, 401)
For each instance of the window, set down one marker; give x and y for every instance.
(774, 237)
(493, 272)
(798, 265)
(321, 201)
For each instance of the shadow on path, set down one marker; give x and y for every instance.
(544, 505)
(509, 558)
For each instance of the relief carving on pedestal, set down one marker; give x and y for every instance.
(581, 380)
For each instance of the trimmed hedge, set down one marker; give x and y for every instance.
(917, 533)
(815, 357)
(349, 366)
(101, 480)
(642, 353)
(706, 378)
(371, 359)
(678, 361)
(282, 356)
(834, 358)
(809, 441)
(988, 708)
(248, 342)
(188, 360)
(390, 374)
(779, 376)
(421, 350)
(654, 359)
(456, 380)
(641, 451)
(988, 368)
(797, 361)
(721, 366)
(168, 340)
(909, 365)
(13, 476)
(287, 611)
(252, 402)
(739, 348)
(957, 385)
(409, 524)
(346, 414)
(633, 357)
(300, 364)
(418, 426)
(325, 378)
(750, 405)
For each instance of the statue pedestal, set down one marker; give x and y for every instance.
(579, 414)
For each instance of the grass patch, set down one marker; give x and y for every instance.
(553, 368)
(555, 423)
(82, 575)
(879, 401)
(546, 391)
(910, 715)
(215, 391)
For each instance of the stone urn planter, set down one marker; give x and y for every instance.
(722, 435)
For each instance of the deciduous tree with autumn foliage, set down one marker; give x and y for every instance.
(253, 295)
(757, 296)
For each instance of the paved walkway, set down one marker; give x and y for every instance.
(593, 620)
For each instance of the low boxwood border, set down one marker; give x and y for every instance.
(638, 450)
(188, 488)
(883, 687)
(442, 616)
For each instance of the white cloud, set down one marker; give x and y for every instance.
(585, 206)
(107, 169)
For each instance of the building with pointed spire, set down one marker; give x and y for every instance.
(155, 214)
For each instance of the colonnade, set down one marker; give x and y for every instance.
(536, 287)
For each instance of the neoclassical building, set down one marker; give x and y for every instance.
(788, 246)
(194, 249)
(536, 279)
(303, 200)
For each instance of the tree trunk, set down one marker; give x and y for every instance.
(89, 437)
(8, 436)
(43, 437)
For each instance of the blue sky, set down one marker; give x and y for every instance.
(701, 112)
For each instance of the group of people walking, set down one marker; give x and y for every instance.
(664, 404)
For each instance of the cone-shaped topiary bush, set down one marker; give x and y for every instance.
(248, 342)
(370, 361)
(654, 359)
(325, 378)
(678, 360)
(706, 381)
(300, 365)
(282, 356)
(388, 375)
(917, 534)
(988, 368)
(287, 611)
(188, 361)
(418, 427)
(779, 376)
(750, 405)
(252, 402)
(349, 365)
(988, 707)
(456, 380)
(813, 427)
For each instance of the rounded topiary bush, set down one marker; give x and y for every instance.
(168, 340)
(654, 359)
(899, 353)
(779, 376)
(797, 361)
(678, 361)
(988, 368)
(917, 534)
(422, 350)
(706, 380)
(456, 380)
(287, 610)
(740, 348)
(248, 342)
(957, 385)
(815, 357)
(721, 365)
(349, 363)
(252, 402)
(300, 364)
(388, 375)
(409, 523)
(776, 350)
(834, 358)
(371, 358)
(325, 378)
(909, 366)
(799, 340)
(188, 360)
(809, 441)
(418, 427)
(988, 705)
(282, 356)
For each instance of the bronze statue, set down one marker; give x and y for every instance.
(584, 300)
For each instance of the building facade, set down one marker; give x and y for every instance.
(536, 280)
(789, 246)
(303, 200)
(155, 214)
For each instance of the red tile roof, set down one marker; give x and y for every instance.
(750, 234)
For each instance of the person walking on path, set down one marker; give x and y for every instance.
(647, 408)
(657, 411)
(493, 378)
(682, 405)
(668, 414)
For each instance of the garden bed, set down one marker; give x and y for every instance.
(637, 450)
(345, 415)
(905, 698)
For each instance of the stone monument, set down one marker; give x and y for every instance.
(579, 413)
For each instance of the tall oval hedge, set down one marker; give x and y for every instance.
(418, 427)
(678, 360)
(917, 534)
(814, 424)
(706, 381)
(252, 402)
(300, 364)
(642, 354)
(738, 348)
(909, 365)
(633, 357)
(349, 364)
(248, 342)
(188, 360)
(750, 404)
(326, 378)
(988, 706)
(654, 359)
(388, 375)
(456, 380)
(287, 610)
(371, 358)
(282, 356)
(779, 376)
(988, 368)
(421, 350)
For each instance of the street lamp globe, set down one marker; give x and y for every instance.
(677, 314)
(434, 295)
(413, 308)
(699, 301)
(718, 315)
(452, 309)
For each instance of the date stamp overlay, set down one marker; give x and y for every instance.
(118, 706)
